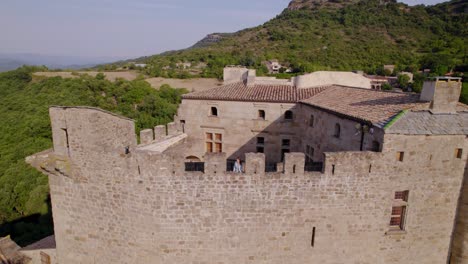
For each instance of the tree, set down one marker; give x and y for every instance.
(403, 81)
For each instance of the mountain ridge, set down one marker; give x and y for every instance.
(335, 35)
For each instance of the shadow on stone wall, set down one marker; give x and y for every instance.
(29, 229)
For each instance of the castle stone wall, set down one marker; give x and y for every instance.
(321, 136)
(239, 124)
(460, 239)
(142, 207)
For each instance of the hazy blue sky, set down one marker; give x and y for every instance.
(125, 28)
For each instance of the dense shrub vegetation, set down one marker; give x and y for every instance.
(25, 130)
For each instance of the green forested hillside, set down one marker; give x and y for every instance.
(358, 35)
(25, 130)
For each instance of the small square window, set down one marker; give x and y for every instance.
(288, 115)
(261, 114)
(218, 137)
(459, 153)
(209, 136)
(402, 196)
(286, 143)
(214, 111)
(260, 140)
(260, 150)
(400, 156)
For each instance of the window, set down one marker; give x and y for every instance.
(214, 111)
(260, 145)
(399, 210)
(260, 140)
(337, 133)
(459, 153)
(214, 142)
(288, 115)
(375, 146)
(400, 156)
(286, 143)
(311, 121)
(261, 114)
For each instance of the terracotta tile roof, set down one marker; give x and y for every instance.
(376, 107)
(256, 93)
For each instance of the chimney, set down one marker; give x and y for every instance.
(443, 93)
(251, 74)
(233, 74)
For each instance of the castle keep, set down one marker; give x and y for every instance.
(333, 174)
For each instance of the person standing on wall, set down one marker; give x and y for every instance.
(237, 166)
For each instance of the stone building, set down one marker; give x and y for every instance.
(386, 191)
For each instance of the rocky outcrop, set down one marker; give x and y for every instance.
(318, 4)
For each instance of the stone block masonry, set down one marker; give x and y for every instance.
(142, 207)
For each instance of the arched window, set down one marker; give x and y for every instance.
(214, 111)
(311, 121)
(288, 115)
(337, 131)
(261, 114)
(375, 146)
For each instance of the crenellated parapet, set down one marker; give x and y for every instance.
(159, 133)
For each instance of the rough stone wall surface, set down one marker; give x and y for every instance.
(460, 240)
(142, 208)
(239, 124)
(446, 96)
(321, 136)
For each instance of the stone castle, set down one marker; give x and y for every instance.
(332, 174)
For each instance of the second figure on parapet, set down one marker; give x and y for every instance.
(238, 166)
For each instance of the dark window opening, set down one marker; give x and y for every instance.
(182, 122)
(337, 133)
(459, 153)
(260, 140)
(313, 166)
(400, 156)
(261, 114)
(286, 143)
(375, 146)
(288, 115)
(402, 196)
(195, 166)
(311, 121)
(214, 111)
(260, 150)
